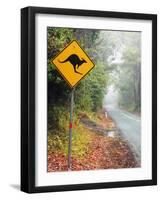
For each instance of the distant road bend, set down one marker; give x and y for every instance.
(130, 128)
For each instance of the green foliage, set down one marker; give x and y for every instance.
(89, 92)
(80, 140)
(57, 118)
(55, 142)
(117, 62)
(58, 38)
(58, 123)
(125, 69)
(130, 86)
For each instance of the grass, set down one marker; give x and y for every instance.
(80, 141)
(81, 137)
(90, 151)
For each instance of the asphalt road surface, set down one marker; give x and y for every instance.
(130, 128)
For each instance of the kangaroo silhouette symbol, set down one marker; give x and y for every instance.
(75, 62)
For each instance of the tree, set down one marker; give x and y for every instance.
(129, 72)
(90, 92)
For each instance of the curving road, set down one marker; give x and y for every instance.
(129, 126)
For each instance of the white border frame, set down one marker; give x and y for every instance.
(43, 178)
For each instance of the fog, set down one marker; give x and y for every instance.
(111, 97)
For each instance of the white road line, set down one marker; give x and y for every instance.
(131, 117)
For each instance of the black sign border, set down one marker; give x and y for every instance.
(61, 72)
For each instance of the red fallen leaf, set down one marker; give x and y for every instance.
(103, 153)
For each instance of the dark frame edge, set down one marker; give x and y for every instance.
(154, 99)
(27, 102)
(24, 100)
(92, 13)
(93, 186)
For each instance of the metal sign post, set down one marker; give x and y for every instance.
(73, 64)
(70, 130)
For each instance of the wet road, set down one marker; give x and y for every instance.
(129, 126)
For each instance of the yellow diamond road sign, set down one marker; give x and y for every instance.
(73, 63)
